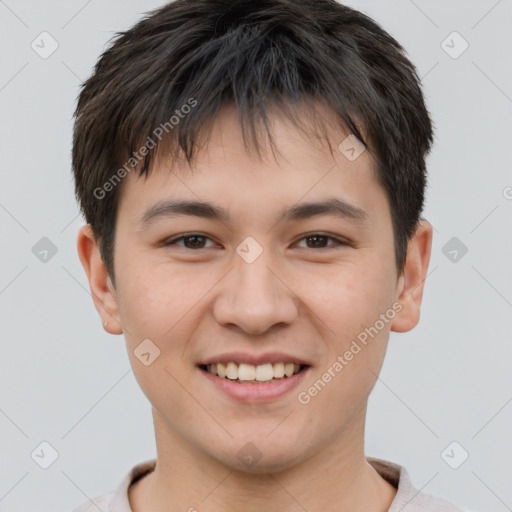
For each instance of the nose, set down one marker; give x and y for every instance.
(255, 297)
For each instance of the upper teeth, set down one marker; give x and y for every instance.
(262, 372)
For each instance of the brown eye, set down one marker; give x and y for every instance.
(194, 241)
(320, 241)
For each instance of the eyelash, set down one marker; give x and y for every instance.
(338, 241)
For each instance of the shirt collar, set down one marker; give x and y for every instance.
(394, 473)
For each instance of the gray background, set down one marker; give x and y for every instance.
(67, 382)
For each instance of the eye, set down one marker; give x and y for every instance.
(318, 241)
(198, 241)
(192, 241)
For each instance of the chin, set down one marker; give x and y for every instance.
(259, 461)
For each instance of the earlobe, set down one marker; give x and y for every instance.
(411, 282)
(100, 284)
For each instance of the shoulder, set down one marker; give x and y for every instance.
(118, 501)
(408, 498)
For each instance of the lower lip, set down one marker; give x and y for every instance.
(256, 393)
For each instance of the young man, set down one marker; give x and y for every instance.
(253, 174)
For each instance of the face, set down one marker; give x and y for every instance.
(260, 280)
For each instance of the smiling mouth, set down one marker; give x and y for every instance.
(250, 374)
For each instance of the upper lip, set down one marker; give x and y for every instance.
(254, 359)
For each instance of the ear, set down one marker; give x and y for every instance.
(102, 290)
(411, 281)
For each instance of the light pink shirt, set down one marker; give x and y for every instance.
(407, 498)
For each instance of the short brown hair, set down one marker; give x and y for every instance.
(251, 54)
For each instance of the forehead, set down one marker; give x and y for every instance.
(308, 164)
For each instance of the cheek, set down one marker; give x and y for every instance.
(349, 304)
(349, 298)
(156, 302)
(162, 304)
(157, 309)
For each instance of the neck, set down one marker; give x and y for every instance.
(337, 477)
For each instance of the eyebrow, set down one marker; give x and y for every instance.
(206, 210)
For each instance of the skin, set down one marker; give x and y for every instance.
(295, 297)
